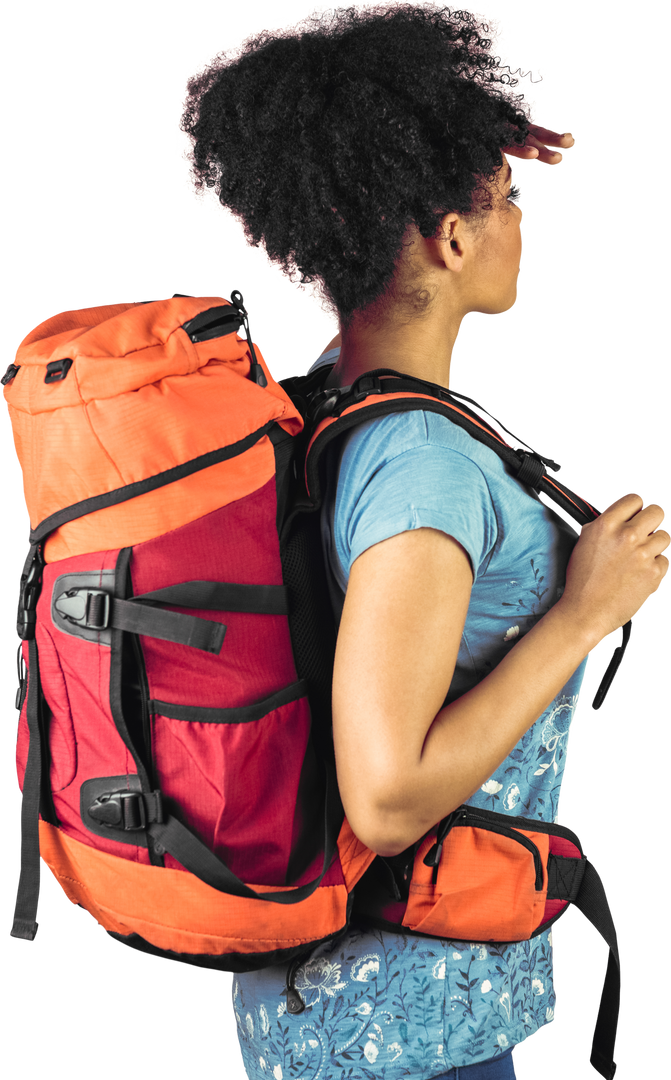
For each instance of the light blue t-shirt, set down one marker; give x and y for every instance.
(392, 1004)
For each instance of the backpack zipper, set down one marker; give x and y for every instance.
(464, 816)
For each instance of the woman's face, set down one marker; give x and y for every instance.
(497, 249)
(467, 270)
(483, 249)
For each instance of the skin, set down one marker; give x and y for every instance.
(404, 762)
(467, 272)
(465, 268)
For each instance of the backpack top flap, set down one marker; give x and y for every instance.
(108, 397)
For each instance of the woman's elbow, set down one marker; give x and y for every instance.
(385, 831)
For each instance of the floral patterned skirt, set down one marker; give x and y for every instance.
(382, 1006)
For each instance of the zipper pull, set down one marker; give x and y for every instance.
(432, 857)
(295, 1003)
(256, 372)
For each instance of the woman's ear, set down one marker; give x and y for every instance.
(449, 243)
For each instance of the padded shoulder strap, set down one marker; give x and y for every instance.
(382, 392)
(329, 413)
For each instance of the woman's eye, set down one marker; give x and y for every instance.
(514, 194)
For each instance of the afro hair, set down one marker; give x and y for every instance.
(324, 139)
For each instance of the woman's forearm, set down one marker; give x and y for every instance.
(470, 738)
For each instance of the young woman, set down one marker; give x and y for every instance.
(369, 152)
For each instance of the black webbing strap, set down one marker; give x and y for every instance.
(24, 926)
(139, 616)
(224, 596)
(195, 857)
(534, 469)
(592, 902)
(95, 609)
(171, 836)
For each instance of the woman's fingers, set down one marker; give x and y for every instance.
(537, 142)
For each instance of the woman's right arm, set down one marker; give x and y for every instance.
(403, 761)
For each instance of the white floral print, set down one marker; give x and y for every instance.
(316, 977)
(365, 968)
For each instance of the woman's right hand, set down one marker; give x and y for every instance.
(615, 566)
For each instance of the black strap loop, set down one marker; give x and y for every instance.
(531, 470)
(591, 900)
(57, 370)
(28, 893)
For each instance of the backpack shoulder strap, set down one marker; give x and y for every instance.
(383, 391)
(332, 411)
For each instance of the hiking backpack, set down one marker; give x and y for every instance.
(177, 641)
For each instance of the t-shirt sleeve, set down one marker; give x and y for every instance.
(422, 486)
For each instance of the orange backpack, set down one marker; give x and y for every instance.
(174, 740)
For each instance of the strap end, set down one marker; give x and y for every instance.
(24, 928)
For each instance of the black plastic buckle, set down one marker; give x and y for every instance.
(89, 608)
(367, 384)
(22, 673)
(323, 404)
(31, 586)
(120, 810)
(133, 813)
(116, 806)
(126, 810)
(9, 373)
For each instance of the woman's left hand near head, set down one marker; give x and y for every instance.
(544, 145)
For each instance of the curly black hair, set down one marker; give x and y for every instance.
(328, 140)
